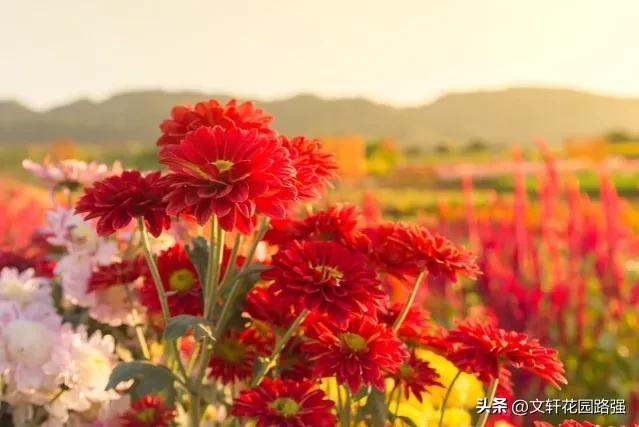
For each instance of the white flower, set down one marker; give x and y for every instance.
(30, 346)
(68, 230)
(23, 287)
(70, 172)
(113, 306)
(92, 360)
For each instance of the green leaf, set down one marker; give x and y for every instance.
(179, 325)
(376, 408)
(198, 252)
(362, 393)
(147, 379)
(405, 420)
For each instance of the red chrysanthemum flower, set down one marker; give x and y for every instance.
(230, 173)
(118, 199)
(407, 250)
(116, 274)
(415, 376)
(264, 304)
(234, 357)
(412, 331)
(567, 423)
(338, 223)
(285, 404)
(326, 278)
(180, 280)
(315, 166)
(150, 411)
(294, 363)
(360, 353)
(186, 118)
(485, 349)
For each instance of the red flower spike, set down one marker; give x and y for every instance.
(150, 411)
(407, 250)
(230, 173)
(360, 353)
(326, 278)
(117, 273)
(118, 199)
(315, 167)
(485, 349)
(285, 403)
(180, 280)
(186, 118)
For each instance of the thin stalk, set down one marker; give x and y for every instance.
(348, 407)
(411, 298)
(159, 287)
(139, 332)
(207, 286)
(340, 407)
(164, 303)
(492, 389)
(446, 397)
(217, 268)
(279, 346)
(396, 411)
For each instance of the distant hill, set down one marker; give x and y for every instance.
(500, 117)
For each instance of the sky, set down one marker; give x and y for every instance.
(400, 52)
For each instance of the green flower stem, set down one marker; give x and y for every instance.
(164, 303)
(159, 287)
(492, 389)
(279, 346)
(411, 298)
(207, 286)
(446, 397)
(348, 407)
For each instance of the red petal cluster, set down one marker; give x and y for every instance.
(264, 304)
(567, 423)
(232, 173)
(315, 167)
(362, 352)
(117, 273)
(150, 411)
(415, 376)
(118, 199)
(234, 357)
(186, 118)
(326, 278)
(413, 330)
(407, 250)
(181, 281)
(286, 404)
(338, 223)
(485, 349)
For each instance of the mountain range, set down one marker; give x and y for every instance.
(499, 117)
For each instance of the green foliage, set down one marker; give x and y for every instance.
(148, 379)
(178, 326)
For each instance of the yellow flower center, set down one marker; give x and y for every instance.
(405, 370)
(230, 351)
(223, 165)
(353, 341)
(285, 406)
(181, 280)
(329, 272)
(146, 415)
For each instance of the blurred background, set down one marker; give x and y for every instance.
(512, 127)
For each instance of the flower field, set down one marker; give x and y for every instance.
(230, 286)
